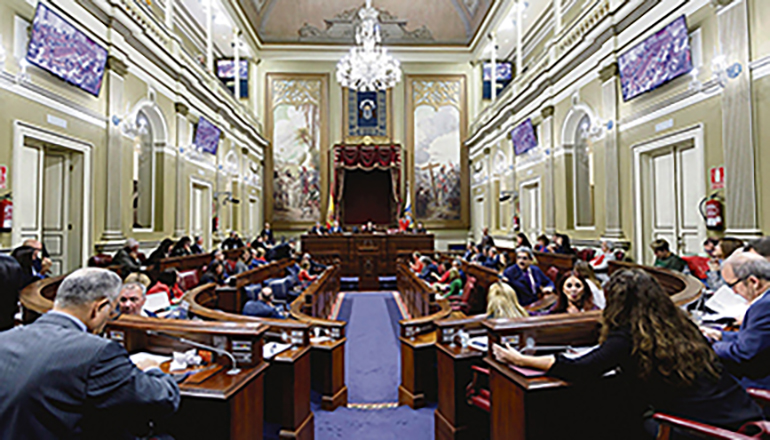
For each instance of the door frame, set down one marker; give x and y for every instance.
(535, 181)
(22, 130)
(694, 134)
(209, 235)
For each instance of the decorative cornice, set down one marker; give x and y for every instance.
(547, 112)
(608, 72)
(117, 65)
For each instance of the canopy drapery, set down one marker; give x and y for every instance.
(367, 158)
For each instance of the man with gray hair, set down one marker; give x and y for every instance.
(128, 258)
(746, 353)
(60, 380)
(132, 298)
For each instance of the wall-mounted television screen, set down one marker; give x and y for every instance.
(58, 47)
(207, 136)
(660, 58)
(226, 74)
(523, 137)
(226, 69)
(504, 75)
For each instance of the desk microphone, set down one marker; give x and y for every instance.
(232, 371)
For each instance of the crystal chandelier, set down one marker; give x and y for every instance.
(368, 66)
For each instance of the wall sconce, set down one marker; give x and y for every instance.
(721, 73)
(23, 76)
(130, 125)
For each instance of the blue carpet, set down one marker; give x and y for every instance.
(373, 373)
(372, 350)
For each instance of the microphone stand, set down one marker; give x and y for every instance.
(233, 369)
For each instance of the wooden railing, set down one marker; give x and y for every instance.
(328, 337)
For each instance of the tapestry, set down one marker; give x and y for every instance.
(296, 139)
(437, 117)
(366, 115)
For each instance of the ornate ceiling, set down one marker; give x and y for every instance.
(404, 22)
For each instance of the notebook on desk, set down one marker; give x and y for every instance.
(527, 372)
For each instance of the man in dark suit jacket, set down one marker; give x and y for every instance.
(267, 235)
(262, 307)
(746, 353)
(526, 278)
(60, 381)
(11, 277)
(128, 258)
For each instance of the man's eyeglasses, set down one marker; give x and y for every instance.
(734, 283)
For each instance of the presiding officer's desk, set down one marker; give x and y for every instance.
(366, 256)
(220, 406)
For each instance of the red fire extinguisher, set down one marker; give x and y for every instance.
(6, 211)
(711, 210)
(516, 223)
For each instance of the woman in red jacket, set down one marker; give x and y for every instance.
(168, 284)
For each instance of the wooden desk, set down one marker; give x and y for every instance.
(367, 256)
(418, 338)
(222, 406)
(454, 418)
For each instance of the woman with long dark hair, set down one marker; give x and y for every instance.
(660, 352)
(163, 251)
(563, 244)
(522, 240)
(182, 247)
(573, 295)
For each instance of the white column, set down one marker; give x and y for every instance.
(182, 190)
(170, 15)
(493, 66)
(557, 16)
(612, 229)
(741, 216)
(113, 215)
(546, 137)
(519, 49)
(237, 50)
(209, 36)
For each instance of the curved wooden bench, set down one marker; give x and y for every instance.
(327, 348)
(418, 338)
(289, 372)
(454, 417)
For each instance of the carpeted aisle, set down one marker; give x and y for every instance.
(372, 374)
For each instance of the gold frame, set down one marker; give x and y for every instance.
(464, 221)
(324, 146)
(361, 139)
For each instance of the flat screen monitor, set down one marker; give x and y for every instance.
(523, 137)
(61, 49)
(657, 60)
(207, 136)
(504, 75)
(226, 69)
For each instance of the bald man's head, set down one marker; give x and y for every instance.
(747, 273)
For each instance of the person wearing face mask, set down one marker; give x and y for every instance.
(574, 295)
(61, 380)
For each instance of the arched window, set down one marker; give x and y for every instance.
(143, 174)
(583, 172)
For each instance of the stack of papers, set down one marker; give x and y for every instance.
(140, 357)
(726, 304)
(271, 349)
(480, 343)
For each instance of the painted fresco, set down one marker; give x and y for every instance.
(296, 150)
(437, 150)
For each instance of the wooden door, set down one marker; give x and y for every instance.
(56, 209)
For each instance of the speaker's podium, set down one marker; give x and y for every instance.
(216, 404)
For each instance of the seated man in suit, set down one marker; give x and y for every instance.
(233, 241)
(429, 268)
(197, 247)
(128, 258)
(317, 229)
(746, 353)
(335, 229)
(494, 260)
(60, 380)
(262, 307)
(420, 229)
(267, 235)
(526, 278)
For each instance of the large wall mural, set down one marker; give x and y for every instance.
(438, 120)
(297, 129)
